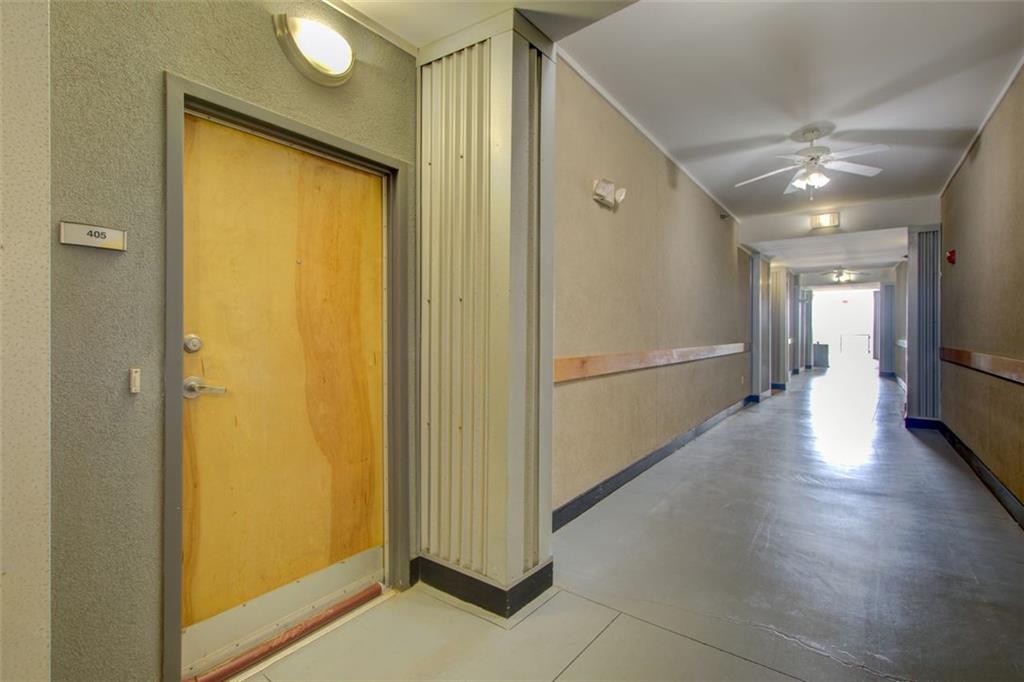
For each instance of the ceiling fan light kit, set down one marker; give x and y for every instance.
(811, 163)
(840, 275)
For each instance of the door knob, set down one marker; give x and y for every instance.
(193, 387)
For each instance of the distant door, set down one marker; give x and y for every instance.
(283, 472)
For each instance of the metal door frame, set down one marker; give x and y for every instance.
(401, 338)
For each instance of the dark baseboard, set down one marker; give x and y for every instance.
(991, 481)
(1009, 501)
(922, 423)
(887, 375)
(778, 387)
(584, 501)
(795, 370)
(808, 366)
(414, 571)
(489, 597)
(755, 398)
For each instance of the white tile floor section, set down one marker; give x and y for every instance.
(834, 545)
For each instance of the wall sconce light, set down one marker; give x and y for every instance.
(319, 52)
(606, 194)
(825, 220)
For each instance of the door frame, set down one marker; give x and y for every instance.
(401, 340)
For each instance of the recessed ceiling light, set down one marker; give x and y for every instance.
(825, 220)
(322, 54)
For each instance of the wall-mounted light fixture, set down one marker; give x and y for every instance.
(606, 194)
(319, 52)
(825, 220)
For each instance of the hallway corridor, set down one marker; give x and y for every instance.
(810, 537)
(812, 534)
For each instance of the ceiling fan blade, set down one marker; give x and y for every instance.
(791, 157)
(855, 168)
(766, 175)
(790, 188)
(857, 151)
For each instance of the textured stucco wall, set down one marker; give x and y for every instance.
(982, 306)
(900, 321)
(662, 271)
(108, 123)
(24, 341)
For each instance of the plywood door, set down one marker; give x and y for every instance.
(283, 474)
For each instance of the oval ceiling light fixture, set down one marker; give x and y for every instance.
(322, 54)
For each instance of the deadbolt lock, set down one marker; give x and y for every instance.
(193, 343)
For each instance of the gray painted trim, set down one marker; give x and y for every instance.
(182, 94)
(173, 368)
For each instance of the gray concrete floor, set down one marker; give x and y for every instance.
(808, 537)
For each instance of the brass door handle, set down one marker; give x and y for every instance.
(193, 387)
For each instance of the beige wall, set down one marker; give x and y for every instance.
(982, 302)
(899, 314)
(24, 341)
(661, 271)
(108, 63)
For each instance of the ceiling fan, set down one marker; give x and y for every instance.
(811, 163)
(839, 274)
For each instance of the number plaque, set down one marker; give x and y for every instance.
(94, 236)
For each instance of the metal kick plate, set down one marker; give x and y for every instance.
(95, 236)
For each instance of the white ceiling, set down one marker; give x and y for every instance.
(872, 215)
(421, 22)
(723, 87)
(874, 248)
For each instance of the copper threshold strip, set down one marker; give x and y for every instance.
(293, 634)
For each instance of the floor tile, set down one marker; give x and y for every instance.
(633, 650)
(414, 636)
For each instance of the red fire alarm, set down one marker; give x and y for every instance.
(951, 256)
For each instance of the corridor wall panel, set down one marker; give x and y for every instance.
(900, 323)
(886, 333)
(661, 271)
(108, 139)
(482, 491)
(765, 288)
(780, 325)
(982, 305)
(456, 291)
(923, 377)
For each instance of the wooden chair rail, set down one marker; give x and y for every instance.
(572, 368)
(1011, 369)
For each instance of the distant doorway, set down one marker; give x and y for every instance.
(844, 321)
